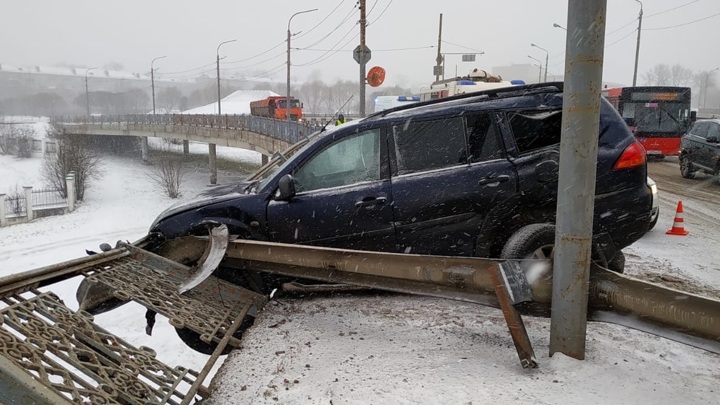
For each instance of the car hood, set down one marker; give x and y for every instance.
(211, 196)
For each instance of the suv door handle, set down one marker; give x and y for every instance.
(494, 179)
(370, 201)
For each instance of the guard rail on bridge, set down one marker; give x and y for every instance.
(230, 130)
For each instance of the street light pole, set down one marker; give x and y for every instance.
(152, 80)
(707, 79)
(217, 52)
(144, 140)
(87, 91)
(212, 152)
(637, 47)
(547, 57)
(556, 25)
(287, 94)
(539, 64)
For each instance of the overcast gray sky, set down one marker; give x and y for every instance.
(401, 33)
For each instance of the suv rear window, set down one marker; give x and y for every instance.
(535, 129)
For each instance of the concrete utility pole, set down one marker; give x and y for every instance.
(539, 65)
(547, 57)
(287, 98)
(439, 58)
(705, 90)
(144, 140)
(87, 92)
(576, 182)
(363, 63)
(637, 47)
(212, 150)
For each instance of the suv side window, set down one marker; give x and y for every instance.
(428, 145)
(483, 142)
(700, 129)
(350, 160)
(535, 129)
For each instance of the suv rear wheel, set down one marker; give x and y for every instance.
(537, 241)
(686, 168)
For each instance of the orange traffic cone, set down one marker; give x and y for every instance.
(677, 228)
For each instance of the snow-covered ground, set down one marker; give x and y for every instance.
(384, 349)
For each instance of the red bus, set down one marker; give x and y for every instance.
(275, 107)
(657, 115)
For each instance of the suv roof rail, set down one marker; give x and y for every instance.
(483, 94)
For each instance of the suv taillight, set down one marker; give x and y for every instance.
(632, 156)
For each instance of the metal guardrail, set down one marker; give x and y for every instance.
(290, 132)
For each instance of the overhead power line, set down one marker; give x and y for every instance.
(381, 13)
(671, 9)
(681, 25)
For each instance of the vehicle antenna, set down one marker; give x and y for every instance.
(336, 113)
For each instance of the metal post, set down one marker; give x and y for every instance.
(3, 218)
(707, 80)
(576, 183)
(87, 92)
(143, 139)
(211, 147)
(439, 59)
(540, 64)
(363, 64)
(28, 202)
(287, 93)
(547, 58)
(637, 47)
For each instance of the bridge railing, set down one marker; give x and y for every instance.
(290, 132)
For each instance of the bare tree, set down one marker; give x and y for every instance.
(665, 75)
(73, 155)
(16, 201)
(168, 173)
(313, 94)
(680, 75)
(339, 93)
(6, 140)
(16, 139)
(169, 100)
(657, 76)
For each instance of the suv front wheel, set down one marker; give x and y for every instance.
(686, 168)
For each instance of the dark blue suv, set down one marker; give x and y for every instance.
(470, 175)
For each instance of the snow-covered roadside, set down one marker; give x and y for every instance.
(119, 206)
(418, 350)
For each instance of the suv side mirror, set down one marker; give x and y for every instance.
(286, 188)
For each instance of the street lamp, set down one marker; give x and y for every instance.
(556, 25)
(637, 47)
(287, 100)
(217, 52)
(707, 78)
(539, 65)
(547, 56)
(152, 80)
(87, 92)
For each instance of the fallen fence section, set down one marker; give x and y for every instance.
(51, 354)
